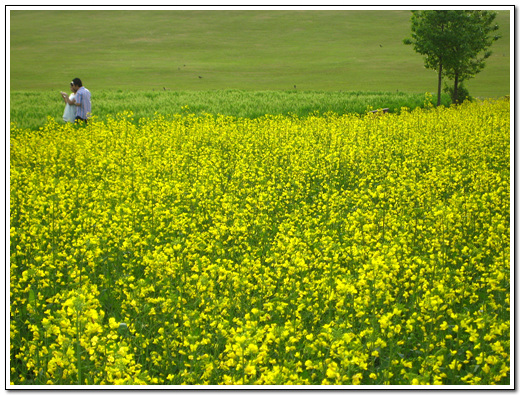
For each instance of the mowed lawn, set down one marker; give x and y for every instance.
(229, 49)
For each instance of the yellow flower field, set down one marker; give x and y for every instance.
(328, 249)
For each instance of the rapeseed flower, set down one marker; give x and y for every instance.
(278, 250)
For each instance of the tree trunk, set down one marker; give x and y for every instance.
(456, 89)
(439, 84)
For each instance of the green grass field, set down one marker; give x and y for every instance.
(31, 109)
(248, 50)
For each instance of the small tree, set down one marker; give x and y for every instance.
(432, 31)
(451, 41)
(467, 55)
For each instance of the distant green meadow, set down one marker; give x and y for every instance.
(205, 50)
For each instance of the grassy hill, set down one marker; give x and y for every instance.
(252, 50)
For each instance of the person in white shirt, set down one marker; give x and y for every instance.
(69, 115)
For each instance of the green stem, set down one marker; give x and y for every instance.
(78, 354)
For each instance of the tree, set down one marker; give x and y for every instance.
(475, 34)
(451, 41)
(431, 31)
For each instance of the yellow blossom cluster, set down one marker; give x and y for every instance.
(329, 249)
